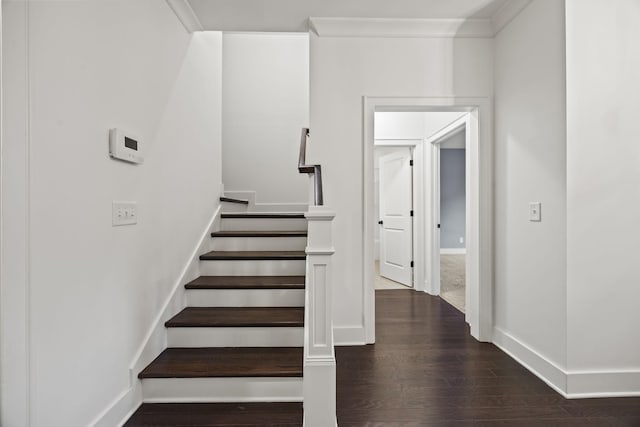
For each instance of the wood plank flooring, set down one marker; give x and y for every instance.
(226, 362)
(217, 414)
(247, 282)
(259, 233)
(238, 317)
(426, 370)
(253, 255)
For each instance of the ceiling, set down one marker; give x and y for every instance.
(292, 15)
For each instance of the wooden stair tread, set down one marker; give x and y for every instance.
(247, 282)
(217, 414)
(226, 362)
(253, 255)
(238, 317)
(258, 233)
(232, 200)
(263, 215)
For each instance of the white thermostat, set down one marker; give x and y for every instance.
(125, 146)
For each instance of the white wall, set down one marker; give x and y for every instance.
(265, 106)
(603, 206)
(399, 125)
(92, 289)
(530, 166)
(343, 70)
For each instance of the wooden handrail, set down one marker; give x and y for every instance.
(316, 170)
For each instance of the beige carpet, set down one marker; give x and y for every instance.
(452, 280)
(384, 283)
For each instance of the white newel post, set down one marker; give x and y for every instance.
(319, 357)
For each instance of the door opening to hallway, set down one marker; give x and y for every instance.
(450, 186)
(420, 183)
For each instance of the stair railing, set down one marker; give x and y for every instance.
(319, 380)
(314, 170)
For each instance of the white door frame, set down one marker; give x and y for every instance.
(479, 218)
(434, 145)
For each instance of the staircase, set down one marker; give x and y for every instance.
(256, 320)
(235, 353)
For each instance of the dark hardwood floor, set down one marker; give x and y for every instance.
(426, 370)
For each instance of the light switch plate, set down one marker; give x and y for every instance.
(534, 211)
(124, 213)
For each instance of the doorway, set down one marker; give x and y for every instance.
(450, 207)
(477, 238)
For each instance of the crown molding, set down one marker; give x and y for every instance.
(186, 15)
(506, 13)
(382, 27)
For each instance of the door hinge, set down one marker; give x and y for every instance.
(438, 225)
(411, 213)
(411, 162)
(411, 264)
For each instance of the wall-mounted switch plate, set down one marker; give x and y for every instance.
(534, 211)
(124, 213)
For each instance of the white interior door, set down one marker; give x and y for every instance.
(395, 214)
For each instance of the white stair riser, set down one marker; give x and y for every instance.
(236, 337)
(253, 268)
(249, 389)
(269, 224)
(234, 207)
(259, 243)
(245, 297)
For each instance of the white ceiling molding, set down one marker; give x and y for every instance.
(382, 27)
(186, 15)
(506, 13)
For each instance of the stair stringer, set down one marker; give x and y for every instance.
(155, 341)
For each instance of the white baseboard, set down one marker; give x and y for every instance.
(121, 409)
(453, 251)
(155, 341)
(570, 384)
(587, 384)
(349, 335)
(539, 365)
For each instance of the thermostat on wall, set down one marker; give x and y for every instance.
(125, 146)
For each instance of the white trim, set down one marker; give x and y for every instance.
(383, 142)
(480, 235)
(570, 384)
(539, 365)
(222, 389)
(456, 126)
(155, 341)
(507, 13)
(462, 123)
(253, 206)
(17, 405)
(588, 384)
(320, 251)
(186, 15)
(389, 27)
(453, 251)
(348, 335)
